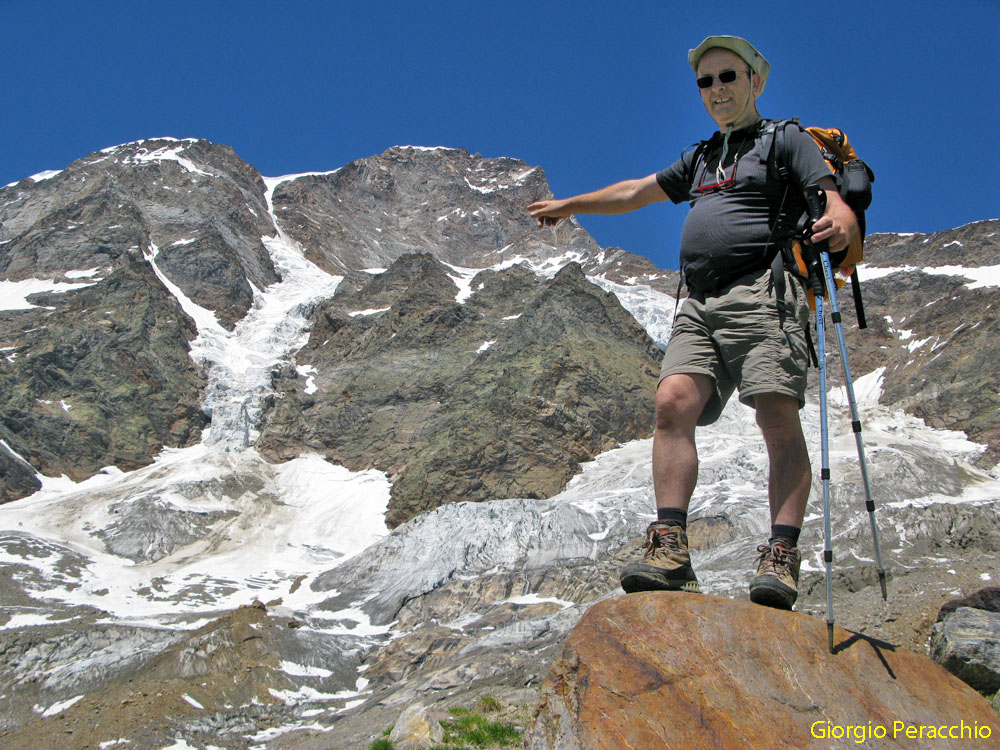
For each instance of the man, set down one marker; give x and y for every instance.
(740, 326)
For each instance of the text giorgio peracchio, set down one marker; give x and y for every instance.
(861, 733)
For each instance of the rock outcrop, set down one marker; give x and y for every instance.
(100, 373)
(501, 395)
(415, 729)
(215, 685)
(100, 376)
(677, 670)
(198, 203)
(931, 325)
(966, 639)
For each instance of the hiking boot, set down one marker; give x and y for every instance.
(777, 580)
(666, 564)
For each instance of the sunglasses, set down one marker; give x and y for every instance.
(726, 76)
(722, 182)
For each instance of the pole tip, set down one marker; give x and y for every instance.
(829, 631)
(881, 582)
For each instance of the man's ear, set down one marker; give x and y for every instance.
(756, 85)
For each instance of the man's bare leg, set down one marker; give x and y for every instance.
(790, 477)
(777, 579)
(679, 402)
(666, 562)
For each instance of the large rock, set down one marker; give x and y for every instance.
(987, 598)
(416, 729)
(676, 670)
(966, 639)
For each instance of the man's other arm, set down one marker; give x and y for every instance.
(838, 223)
(619, 198)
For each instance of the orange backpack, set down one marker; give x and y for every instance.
(854, 181)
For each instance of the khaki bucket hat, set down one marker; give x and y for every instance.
(735, 44)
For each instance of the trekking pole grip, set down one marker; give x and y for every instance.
(815, 207)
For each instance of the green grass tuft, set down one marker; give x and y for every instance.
(472, 729)
(490, 704)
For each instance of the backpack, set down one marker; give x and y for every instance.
(853, 178)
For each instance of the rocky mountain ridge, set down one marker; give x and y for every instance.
(407, 321)
(202, 221)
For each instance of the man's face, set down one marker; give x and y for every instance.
(729, 102)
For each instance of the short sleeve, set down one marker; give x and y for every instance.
(675, 180)
(806, 162)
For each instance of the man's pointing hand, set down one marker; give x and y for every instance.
(549, 212)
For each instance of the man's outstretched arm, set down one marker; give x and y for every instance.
(614, 199)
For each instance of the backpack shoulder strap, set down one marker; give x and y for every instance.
(699, 153)
(775, 149)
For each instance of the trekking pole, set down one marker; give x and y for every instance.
(855, 420)
(816, 283)
(825, 466)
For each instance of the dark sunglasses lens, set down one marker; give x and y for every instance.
(726, 76)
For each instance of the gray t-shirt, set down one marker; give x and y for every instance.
(733, 227)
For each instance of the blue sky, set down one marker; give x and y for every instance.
(593, 92)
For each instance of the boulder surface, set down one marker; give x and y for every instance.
(677, 670)
(966, 639)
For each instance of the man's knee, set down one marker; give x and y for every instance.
(778, 418)
(680, 400)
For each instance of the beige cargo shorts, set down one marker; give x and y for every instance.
(738, 338)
